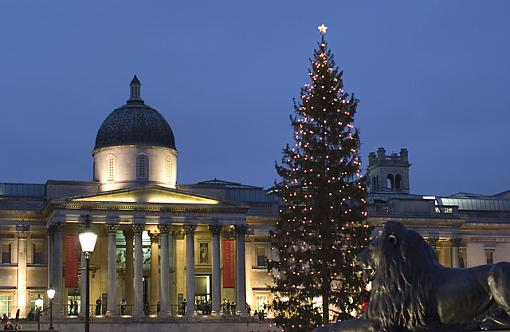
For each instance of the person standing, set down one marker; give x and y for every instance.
(123, 305)
(98, 306)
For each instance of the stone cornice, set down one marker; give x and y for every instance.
(149, 207)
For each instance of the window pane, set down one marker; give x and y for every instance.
(261, 256)
(5, 305)
(37, 253)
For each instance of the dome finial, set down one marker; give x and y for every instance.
(135, 91)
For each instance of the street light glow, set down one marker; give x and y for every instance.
(88, 241)
(51, 293)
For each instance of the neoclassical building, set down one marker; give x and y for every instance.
(465, 229)
(159, 244)
(162, 244)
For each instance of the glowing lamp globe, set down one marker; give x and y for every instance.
(39, 302)
(51, 293)
(88, 241)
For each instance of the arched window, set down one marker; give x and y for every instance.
(142, 166)
(390, 184)
(168, 169)
(111, 168)
(398, 182)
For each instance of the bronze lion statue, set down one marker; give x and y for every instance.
(411, 291)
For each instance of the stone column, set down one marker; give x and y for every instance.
(57, 279)
(138, 273)
(164, 273)
(216, 277)
(128, 284)
(83, 286)
(154, 290)
(190, 269)
(49, 260)
(172, 238)
(241, 269)
(111, 309)
(21, 289)
(455, 252)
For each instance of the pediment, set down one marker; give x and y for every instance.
(149, 195)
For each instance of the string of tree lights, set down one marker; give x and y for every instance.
(321, 225)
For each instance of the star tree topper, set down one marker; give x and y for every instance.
(322, 29)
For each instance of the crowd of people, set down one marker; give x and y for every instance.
(8, 324)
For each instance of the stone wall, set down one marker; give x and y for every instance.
(178, 325)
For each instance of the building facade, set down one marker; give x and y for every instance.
(163, 246)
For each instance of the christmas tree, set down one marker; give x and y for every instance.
(321, 227)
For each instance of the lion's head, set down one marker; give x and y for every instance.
(400, 262)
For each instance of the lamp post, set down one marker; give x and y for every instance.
(51, 295)
(88, 242)
(38, 308)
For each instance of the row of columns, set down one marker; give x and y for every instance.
(134, 268)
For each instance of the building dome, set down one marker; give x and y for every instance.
(135, 124)
(135, 147)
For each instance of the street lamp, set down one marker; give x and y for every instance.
(51, 295)
(38, 308)
(88, 242)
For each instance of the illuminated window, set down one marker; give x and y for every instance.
(111, 168)
(261, 302)
(141, 167)
(168, 169)
(5, 304)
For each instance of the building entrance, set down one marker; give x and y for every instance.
(73, 303)
(203, 294)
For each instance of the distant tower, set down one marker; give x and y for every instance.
(388, 173)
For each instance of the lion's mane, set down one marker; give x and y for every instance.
(402, 285)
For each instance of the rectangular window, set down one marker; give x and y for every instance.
(5, 305)
(111, 168)
(168, 169)
(204, 253)
(261, 302)
(37, 253)
(260, 255)
(490, 256)
(142, 167)
(6, 253)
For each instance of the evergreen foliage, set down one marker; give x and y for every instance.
(321, 225)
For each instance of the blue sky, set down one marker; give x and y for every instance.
(430, 76)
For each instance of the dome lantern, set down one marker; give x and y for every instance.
(135, 91)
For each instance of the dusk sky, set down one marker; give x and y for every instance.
(431, 76)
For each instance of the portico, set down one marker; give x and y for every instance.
(138, 267)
